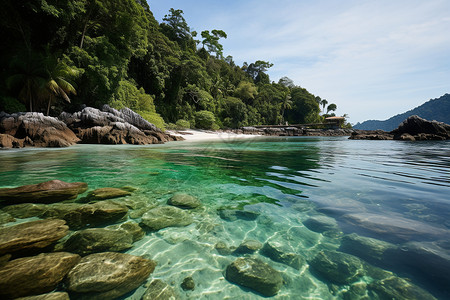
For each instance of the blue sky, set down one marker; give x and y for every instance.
(374, 59)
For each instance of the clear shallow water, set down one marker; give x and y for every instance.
(389, 190)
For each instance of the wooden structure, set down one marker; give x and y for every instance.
(330, 123)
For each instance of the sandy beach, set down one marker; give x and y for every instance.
(204, 135)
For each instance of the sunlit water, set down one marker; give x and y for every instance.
(285, 180)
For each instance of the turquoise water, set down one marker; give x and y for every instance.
(393, 191)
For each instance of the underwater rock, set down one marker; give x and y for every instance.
(395, 229)
(108, 275)
(277, 252)
(222, 248)
(6, 218)
(31, 236)
(399, 289)
(26, 210)
(233, 215)
(96, 240)
(254, 274)
(337, 267)
(35, 275)
(159, 290)
(188, 284)
(184, 201)
(357, 291)
(248, 247)
(136, 231)
(45, 192)
(106, 193)
(49, 296)
(80, 216)
(369, 249)
(4, 259)
(166, 216)
(321, 224)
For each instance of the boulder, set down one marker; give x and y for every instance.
(184, 201)
(188, 284)
(45, 192)
(399, 289)
(4, 259)
(31, 236)
(130, 227)
(222, 248)
(35, 275)
(415, 125)
(6, 218)
(166, 216)
(94, 240)
(108, 275)
(49, 296)
(35, 129)
(337, 267)
(371, 135)
(233, 215)
(278, 252)
(159, 290)
(106, 193)
(248, 247)
(369, 249)
(254, 274)
(321, 224)
(26, 210)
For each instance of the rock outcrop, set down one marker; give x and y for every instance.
(34, 129)
(45, 192)
(110, 126)
(31, 236)
(35, 275)
(255, 274)
(108, 275)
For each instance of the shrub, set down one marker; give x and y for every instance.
(11, 105)
(183, 124)
(153, 118)
(204, 119)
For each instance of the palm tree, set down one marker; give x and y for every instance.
(29, 77)
(57, 83)
(287, 104)
(324, 103)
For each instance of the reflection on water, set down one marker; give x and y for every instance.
(395, 192)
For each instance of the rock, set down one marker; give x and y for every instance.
(337, 267)
(137, 233)
(222, 248)
(188, 284)
(254, 274)
(106, 193)
(96, 240)
(233, 215)
(4, 259)
(31, 236)
(6, 218)
(80, 216)
(45, 192)
(395, 229)
(248, 247)
(25, 210)
(159, 290)
(35, 275)
(415, 125)
(399, 289)
(50, 296)
(166, 216)
(321, 224)
(34, 129)
(371, 135)
(184, 201)
(108, 275)
(277, 252)
(369, 249)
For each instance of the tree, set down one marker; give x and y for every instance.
(324, 103)
(331, 107)
(287, 82)
(254, 69)
(287, 103)
(211, 41)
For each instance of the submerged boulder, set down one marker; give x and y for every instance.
(255, 274)
(31, 236)
(399, 289)
(337, 267)
(130, 227)
(108, 275)
(184, 201)
(321, 224)
(96, 240)
(159, 290)
(277, 252)
(6, 218)
(45, 192)
(106, 193)
(35, 275)
(49, 296)
(369, 249)
(233, 215)
(166, 216)
(248, 247)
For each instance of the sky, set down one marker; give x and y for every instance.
(373, 59)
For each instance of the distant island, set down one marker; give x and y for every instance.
(435, 109)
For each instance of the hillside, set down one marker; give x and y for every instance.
(435, 109)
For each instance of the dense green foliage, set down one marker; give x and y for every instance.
(434, 109)
(101, 51)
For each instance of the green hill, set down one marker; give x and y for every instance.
(435, 109)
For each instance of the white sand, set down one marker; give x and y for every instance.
(201, 135)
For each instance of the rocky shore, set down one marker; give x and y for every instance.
(88, 126)
(67, 242)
